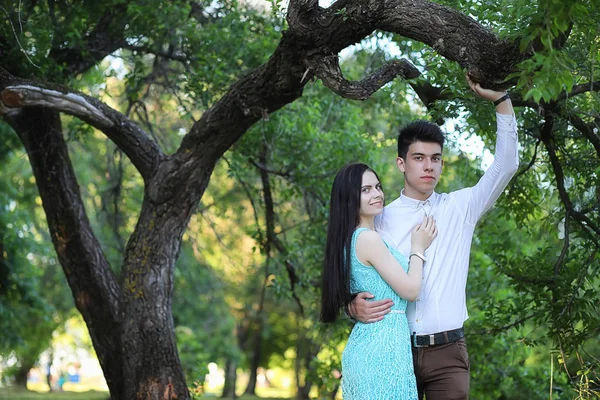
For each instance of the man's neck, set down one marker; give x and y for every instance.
(416, 195)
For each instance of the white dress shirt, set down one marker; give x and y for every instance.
(441, 305)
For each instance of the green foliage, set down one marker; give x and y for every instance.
(33, 295)
(545, 76)
(194, 357)
(204, 326)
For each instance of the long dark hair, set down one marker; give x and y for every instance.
(344, 217)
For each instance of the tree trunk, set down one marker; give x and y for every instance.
(23, 372)
(267, 246)
(302, 393)
(257, 340)
(300, 372)
(334, 392)
(89, 276)
(230, 380)
(48, 371)
(255, 360)
(251, 387)
(131, 326)
(313, 350)
(306, 350)
(152, 367)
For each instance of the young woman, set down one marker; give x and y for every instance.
(377, 361)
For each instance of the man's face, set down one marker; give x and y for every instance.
(422, 168)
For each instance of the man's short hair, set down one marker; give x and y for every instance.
(418, 131)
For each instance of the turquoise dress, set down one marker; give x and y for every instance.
(377, 361)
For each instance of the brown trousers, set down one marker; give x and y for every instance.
(442, 371)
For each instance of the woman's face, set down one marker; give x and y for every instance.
(371, 195)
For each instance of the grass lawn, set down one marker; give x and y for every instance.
(13, 394)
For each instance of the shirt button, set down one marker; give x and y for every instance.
(418, 320)
(418, 299)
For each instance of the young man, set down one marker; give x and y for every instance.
(436, 318)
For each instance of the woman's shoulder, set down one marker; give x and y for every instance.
(367, 243)
(368, 236)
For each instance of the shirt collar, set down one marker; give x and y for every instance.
(414, 203)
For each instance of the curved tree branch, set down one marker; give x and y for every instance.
(524, 170)
(131, 139)
(450, 33)
(70, 103)
(499, 329)
(263, 168)
(298, 10)
(576, 90)
(579, 89)
(429, 94)
(316, 33)
(106, 37)
(580, 125)
(271, 237)
(170, 55)
(583, 273)
(329, 71)
(560, 110)
(546, 137)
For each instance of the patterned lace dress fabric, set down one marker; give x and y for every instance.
(377, 361)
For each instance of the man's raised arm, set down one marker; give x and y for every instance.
(491, 185)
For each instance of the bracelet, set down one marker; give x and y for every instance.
(501, 99)
(417, 254)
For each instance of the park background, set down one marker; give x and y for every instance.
(245, 296)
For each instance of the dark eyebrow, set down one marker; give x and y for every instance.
(366, 186)
(423, 154)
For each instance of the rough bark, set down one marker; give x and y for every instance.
(147, 329)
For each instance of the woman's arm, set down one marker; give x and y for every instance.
(371, 250)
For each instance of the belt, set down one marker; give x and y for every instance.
(437, 338)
